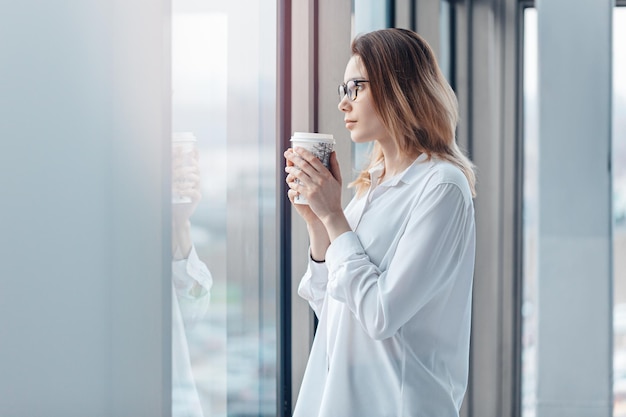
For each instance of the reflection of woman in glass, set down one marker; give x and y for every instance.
(390, 277)
(191, 282)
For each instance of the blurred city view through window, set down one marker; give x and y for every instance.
(224, 96)
(530, 190)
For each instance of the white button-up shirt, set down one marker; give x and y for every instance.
(394, 301)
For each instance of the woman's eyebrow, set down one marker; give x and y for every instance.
(354, 79)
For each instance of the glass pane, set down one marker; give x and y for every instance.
(224, 107)
(530, 206)
(619, 211)
(368, 15)
(445, 33)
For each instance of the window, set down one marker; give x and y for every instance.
(224, 100)
(529, 309)
(368, 16)
(530, 207)
(619, 211)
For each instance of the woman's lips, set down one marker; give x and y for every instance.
(350, 123)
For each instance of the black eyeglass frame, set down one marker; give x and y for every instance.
(343, 89)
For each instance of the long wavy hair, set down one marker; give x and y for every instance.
(414, 101)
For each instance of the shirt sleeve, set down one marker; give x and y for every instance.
(427, 256)
(313, 284)
(192, 283)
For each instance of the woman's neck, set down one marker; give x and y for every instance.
(395, 160)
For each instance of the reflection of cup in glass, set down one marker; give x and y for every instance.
(184, 148)
(319, 144)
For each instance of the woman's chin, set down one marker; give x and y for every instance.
(356, 138)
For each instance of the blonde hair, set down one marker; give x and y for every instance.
(414, 101)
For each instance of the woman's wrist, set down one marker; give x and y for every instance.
(316, 227)
(318, 241)
(336, 225)
(317, 261)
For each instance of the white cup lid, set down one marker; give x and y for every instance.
(304, 136)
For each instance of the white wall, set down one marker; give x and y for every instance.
(84, 314)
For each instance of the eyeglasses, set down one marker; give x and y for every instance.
(350, 89)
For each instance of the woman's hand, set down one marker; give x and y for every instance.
(304, 210)
(315, 182)
(320, 186)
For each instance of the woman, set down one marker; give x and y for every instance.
(390, 278)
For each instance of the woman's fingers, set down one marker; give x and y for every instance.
(287, 155)
(294, 186)
(291, 194)
(310, 158)
(293, 174)
(306, 167)
(306, 175)
(303, 159)
(298, 176)
(334, 167)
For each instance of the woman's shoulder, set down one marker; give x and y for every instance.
(445, 173)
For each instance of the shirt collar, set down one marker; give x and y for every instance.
(407, 176)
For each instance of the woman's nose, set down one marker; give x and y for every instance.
(344, 104)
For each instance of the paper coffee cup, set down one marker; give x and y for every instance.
(319, 144)
(184, 145)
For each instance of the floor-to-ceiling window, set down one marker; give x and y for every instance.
(368, 15)
(224, 208)
(531, 182)
(619, 211)
(530, 226)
